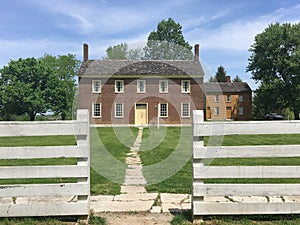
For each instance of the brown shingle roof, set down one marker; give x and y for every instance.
(141, 68)
(226, 87)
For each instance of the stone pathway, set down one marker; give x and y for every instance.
(133, 197)
(134, 179)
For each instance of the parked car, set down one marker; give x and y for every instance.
(274, 116)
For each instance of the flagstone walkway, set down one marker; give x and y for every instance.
(134, 197)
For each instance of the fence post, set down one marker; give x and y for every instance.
(198, 141)
(83, 143)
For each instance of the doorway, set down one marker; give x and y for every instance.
(141, 114)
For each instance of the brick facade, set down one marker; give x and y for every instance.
(152, 97)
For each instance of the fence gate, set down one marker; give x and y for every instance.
(46, 199)
(236, 198)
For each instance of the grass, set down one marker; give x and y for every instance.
(182, 180)
(99, 184)
(185, 218)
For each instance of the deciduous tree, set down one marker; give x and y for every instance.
(276, 59)
(167, 43)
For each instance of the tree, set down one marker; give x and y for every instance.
(122, 52)
(275, 63)
(117, 52)
(64, 68)
(220, 75)
(237, 79)
(25, 87)
(167, 43)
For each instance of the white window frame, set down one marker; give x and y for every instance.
(241, 98)
(241, 111)
(116, 110)
(217, 98)
(167, 110)
(122, 87)
(217, 111)
(138, 86)
(228, 98)
(166, 87)
(93, 110)
(183, 87)
(94, 85)
(183, 112)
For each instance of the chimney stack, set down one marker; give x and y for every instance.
(196, 52)
(228, 79)
(85, 52)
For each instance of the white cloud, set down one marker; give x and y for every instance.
(15, 49)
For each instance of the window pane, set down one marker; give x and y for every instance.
(241, 98)
(163, 86)
(216, 98)
(119, 86)
(97, 110)
(163, 109)
(141, 86)
(185, 110)
(119, 110)
(241, 111)
(228, 98)
(217, 111)
(185, 86)
(96, 86)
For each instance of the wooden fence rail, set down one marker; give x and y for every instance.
(203, 193)
(44, 199)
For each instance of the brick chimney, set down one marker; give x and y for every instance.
(85, 52)
(196, 48)
(228, 79)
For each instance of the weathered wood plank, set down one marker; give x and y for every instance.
(42, 152)
(48, 209)
(11, 172)
(257, 151)
(246, 189)
(209, 208)
(32, 190)
(246, 172)
(8, 129)
(249, 127)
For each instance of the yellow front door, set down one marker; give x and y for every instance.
(141, 117)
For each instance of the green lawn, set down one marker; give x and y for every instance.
(109, 137)
(182, 180)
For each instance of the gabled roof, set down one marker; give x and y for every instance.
(106, 68)
(226, 87)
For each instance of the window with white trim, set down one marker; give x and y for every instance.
(119, 109)
(241, 111)
(185, 86)
(241, 98)
(163, 86)
(119, 86)
(185, 109)
(217, 98)
(96, 86)
(217, 111)
(163, 109)
(141, 86)
(96, 109)
(228, 98)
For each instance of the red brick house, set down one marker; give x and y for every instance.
(228, 100)
(141, 92)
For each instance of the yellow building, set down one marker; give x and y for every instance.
(228, 101)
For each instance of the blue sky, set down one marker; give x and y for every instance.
(225, 30)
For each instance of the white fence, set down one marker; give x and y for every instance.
(204, 193)
(59, 199)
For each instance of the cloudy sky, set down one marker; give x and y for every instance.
(225, 30)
